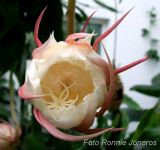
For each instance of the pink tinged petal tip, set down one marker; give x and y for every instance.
(108, 100)
(87, 21)
(36, 53)
(63, 136)
(105, 34)
(24, 93)
(36, 29)
(124, 68)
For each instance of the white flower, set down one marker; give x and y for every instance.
(69, 84)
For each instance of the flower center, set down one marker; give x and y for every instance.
(66, 84)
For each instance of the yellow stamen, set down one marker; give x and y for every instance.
(63, 100)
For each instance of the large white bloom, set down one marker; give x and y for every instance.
(69, 81)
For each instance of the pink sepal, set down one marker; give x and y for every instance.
(36, 29)
(87, 21)
(59, 134)
(91, 131)
(124, 68)
(105, 34)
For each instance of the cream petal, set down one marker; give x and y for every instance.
(31, 79)
(87, 39)
(67, 117)
(38, 52)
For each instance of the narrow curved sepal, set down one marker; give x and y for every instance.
(105, 34)
(59, 134)
(91, 131)
(36, 29)
(126, 67)
(87, 21)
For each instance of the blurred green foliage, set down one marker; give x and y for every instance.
(147, 33)
(18, 18)
(151, 90)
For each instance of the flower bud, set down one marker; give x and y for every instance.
(8, 136)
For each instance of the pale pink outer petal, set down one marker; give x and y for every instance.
(59, 134)
(103, 65)
(108, 100)
(109, 74)
(88, 119)
(36, 53)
